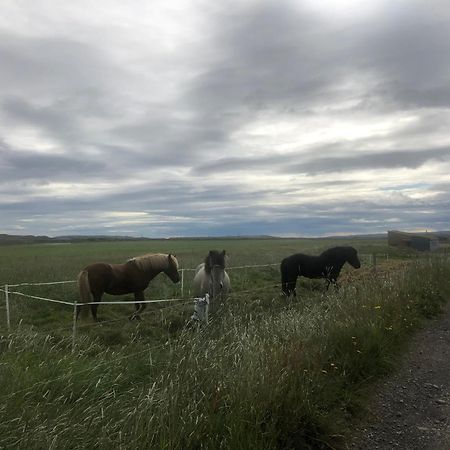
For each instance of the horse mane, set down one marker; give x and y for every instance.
(334, 252)
(214, 258)
(152, 261)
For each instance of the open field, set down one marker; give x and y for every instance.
(46, 263)
(267, 373)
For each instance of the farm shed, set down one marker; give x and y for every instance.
(421, 242)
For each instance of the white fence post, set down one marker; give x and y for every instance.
(74, 326)
(8, 317)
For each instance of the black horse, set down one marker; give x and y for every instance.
(328, 265)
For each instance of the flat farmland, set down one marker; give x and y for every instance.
(45, 263)
(267, 372)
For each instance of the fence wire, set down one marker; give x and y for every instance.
(177, 301)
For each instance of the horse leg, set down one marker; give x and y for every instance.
(79, 308)
(288, 286)
(331, 281)
(94, 307)
(139, 307)
(292, 288)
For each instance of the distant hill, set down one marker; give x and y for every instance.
(6, 239)
(359, 236)
(197, 238)
(10, 239)
(29, 239)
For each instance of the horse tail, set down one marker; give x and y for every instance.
(85, 292)
(290, 270)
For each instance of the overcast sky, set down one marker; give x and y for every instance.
(191, 117)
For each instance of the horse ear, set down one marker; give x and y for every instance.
(223, 252)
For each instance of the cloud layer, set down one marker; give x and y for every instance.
(195, 118)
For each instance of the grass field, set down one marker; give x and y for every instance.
(46, 263)
(266, 373)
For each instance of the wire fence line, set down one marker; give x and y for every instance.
(103, 302)
(6, 290)
(45, 299)
(91, 369)
(241, 267)
(177, 301)
(372, 257)
(118, 302)
(42, 284)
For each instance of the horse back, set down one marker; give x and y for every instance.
(99, 276)
(303, 265)
(113, 279)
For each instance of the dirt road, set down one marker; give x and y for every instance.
(411, 410)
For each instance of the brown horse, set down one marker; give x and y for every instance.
(118, 279)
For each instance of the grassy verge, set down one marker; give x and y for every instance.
(268, 373)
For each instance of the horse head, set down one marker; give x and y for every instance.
(215, 268)
(217, 278)
(214, 258)
(352, 258)
(172, 269)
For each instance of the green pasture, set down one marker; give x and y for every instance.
(48, 262)
(266, 373)
(43, 263)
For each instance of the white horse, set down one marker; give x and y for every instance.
(211, 278)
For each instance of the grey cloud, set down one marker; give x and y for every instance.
(258, 61)
(234, 217)
(289, 163)
(410, 159)
(162, 140)
(55, 121)
(34, 65)
(25, 164)
(266, 56)
(232, 164)
(60, 86)
(273, 57)
(410, 52)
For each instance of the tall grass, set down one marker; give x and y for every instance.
(267, 373)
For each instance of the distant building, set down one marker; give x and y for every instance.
(417, 241)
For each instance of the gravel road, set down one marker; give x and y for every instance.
(411, 409)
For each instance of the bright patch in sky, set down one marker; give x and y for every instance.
(338, 9)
